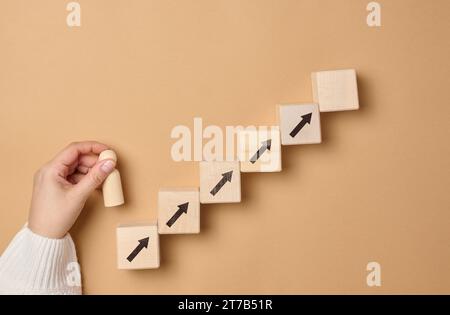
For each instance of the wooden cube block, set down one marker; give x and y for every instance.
(259, 150)
(335, 90)
(178, 211)
(220, 182)
(137, 246)
(299, 124)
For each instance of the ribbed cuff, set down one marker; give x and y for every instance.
(33, 264)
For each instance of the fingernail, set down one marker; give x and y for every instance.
(108, 166)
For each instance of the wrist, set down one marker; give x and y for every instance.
(42, 231)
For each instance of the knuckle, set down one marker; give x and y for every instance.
(73, 144)
(40, 174)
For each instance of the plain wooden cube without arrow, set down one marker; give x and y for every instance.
(335, 90)
(299, 124)
(220, 182)
(178, 211)
(137, 246)
(259, 150)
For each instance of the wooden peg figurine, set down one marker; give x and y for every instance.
(112, 186)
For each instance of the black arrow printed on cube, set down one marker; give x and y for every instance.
(226, 177)
(183, 208)
(306, 119)
(265, 146)
(143, 243)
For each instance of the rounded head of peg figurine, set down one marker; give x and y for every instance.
(108, 154)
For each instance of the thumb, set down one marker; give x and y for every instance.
(95, 177)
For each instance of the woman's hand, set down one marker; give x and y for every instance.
(62, 186)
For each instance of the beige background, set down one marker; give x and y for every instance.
(376, 189)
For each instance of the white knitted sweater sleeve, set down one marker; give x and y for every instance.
(33, 264)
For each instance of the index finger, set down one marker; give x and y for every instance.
(70, 154)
